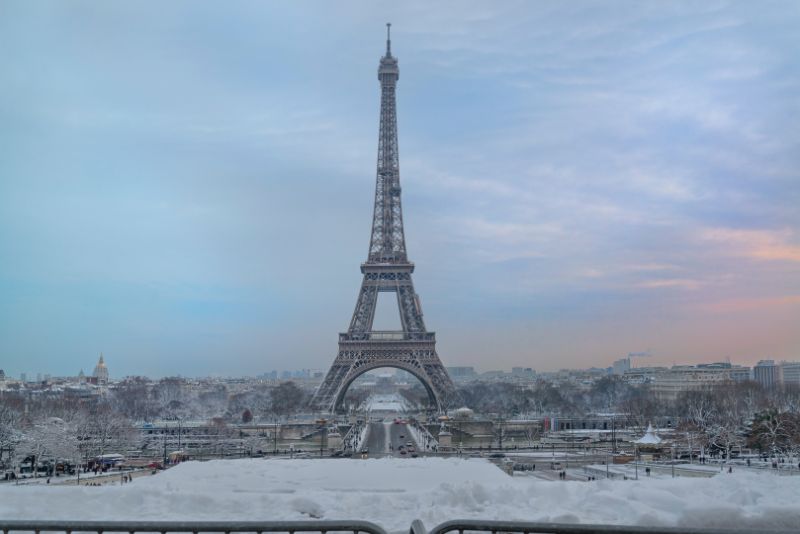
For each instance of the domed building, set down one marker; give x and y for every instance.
(101, 371)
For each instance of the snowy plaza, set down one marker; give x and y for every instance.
(393, 492)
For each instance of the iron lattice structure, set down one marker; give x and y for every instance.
(387, 268)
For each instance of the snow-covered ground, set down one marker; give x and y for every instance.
(393, 492)
(392, 403)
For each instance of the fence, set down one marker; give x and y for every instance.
(514, 527)
(356, 527)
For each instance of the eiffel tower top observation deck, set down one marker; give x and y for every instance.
(388, 243)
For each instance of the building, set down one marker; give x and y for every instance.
(667, 384)
(790, 373)
(462, 373)
(523, 372)
(101, 371)
(767, 373)
(619, 367)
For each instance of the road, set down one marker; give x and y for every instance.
(385, 438)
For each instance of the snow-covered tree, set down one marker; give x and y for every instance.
(49, 438)
(9, 432)
(103, 430)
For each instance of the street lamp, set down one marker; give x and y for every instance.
(672, 453)
(275, 435)
(322, 422)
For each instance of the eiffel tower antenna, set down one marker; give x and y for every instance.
(388, 39)
(387, 269)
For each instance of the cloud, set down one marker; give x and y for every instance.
(556, 159)
(762, 245)
(752, 304)
(683, 283)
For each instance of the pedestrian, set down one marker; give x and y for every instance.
(730, 469)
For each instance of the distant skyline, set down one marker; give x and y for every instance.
(188, 188)
(636, 363)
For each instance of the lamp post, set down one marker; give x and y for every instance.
(672, 451)
(323, 435)
(275, 435)
(613, 436)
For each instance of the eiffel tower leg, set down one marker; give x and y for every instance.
(410, 310)
(358, 357)
(329, 389)
(364, 314)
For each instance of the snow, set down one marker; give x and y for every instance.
(393, 492)
(392, 403)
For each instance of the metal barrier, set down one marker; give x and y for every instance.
(495, 527)
(356, 527)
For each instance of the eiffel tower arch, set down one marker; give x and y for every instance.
(387, 269)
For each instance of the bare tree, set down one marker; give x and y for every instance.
(287, 399)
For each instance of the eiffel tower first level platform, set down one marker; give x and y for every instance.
(387, 269)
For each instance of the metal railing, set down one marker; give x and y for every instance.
(387, 335)
(504, 527)
(292, 527)
(356, 527)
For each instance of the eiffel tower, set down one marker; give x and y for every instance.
(387, 268)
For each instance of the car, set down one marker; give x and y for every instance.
(403, 452)
(402, 436)
(414, 455)
(497, 455)
(409, 444)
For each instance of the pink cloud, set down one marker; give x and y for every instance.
(756, 244)
(734, 305)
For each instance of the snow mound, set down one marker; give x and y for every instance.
(393, 492)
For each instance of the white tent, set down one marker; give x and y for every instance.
(649, 438)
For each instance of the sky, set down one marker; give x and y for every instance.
(187, 187)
